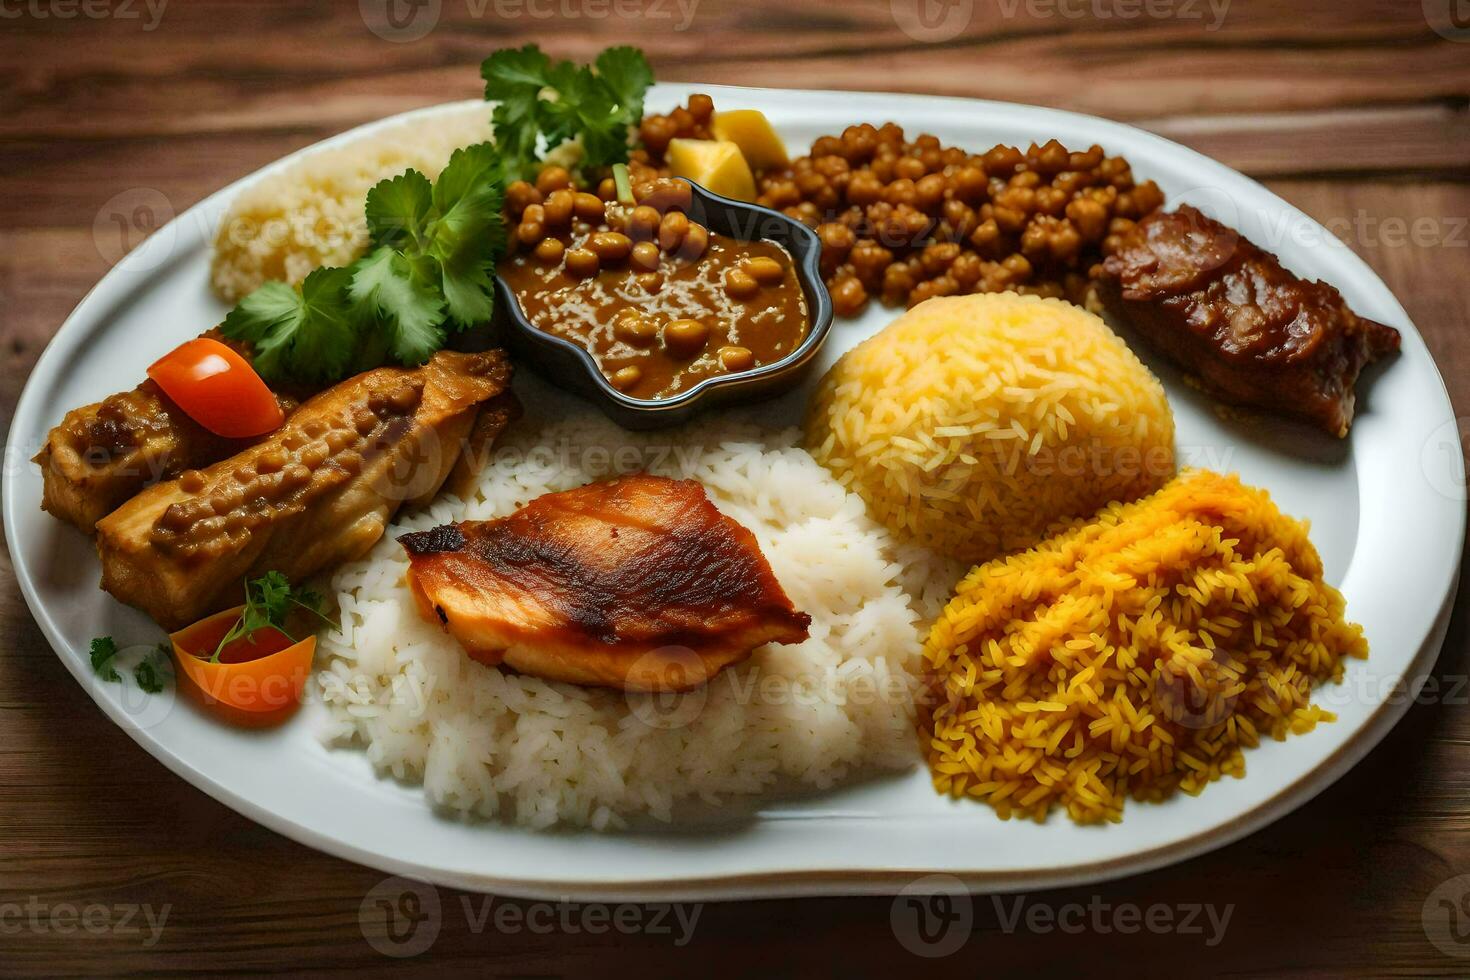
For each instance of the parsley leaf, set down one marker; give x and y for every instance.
(433, 249)
(560, 101)
(153, 671)
(268, 601)
(401, 290)
(307, 336)
(627, 75)
(398, 208)
(103, 650)
(436, 251)
(468, 236)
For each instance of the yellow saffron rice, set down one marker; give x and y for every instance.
(1132, 655)
(971, 424)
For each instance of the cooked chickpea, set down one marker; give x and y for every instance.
(666, 194)
(764, 270)
(740, 285)
(909, 168)
(645, 256)
(610, 246)
(848, 296)
(685, 338)
(929, 191)
(553, 179)
(626, 378)
(696, 240)
(634, 329)
(701, 107)
(582, 262)
(643, 223)
(734, 359)
(549, 251)
(519, 195)
(533, 224)
(588, 207)
(558, 208)
(671, 231)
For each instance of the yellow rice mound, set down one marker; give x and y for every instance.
(311, 212)
(973, 423)
(1132, 655)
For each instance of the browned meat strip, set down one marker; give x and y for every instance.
(636, 583)
(318, 491)
(1252, 332)
(104, 453)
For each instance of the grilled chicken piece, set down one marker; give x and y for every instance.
(1228, 312)
(319, 491)
(104, 453)
(636, 583)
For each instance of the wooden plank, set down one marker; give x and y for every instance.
(1353, 111)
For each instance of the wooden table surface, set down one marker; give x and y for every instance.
(1354, 110)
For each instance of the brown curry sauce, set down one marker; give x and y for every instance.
(659, 301)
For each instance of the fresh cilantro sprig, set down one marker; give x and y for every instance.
(432, 251)
(433, 246)
(269, 600)
(435, 251)
(537, 98)
(103, 651)
(153, 672)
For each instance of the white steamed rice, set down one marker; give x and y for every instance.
(488, 742)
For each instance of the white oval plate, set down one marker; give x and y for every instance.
(1386, 506)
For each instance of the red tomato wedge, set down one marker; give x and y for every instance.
(217, 388)
(258, 679)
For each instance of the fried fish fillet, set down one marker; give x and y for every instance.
(319, 491)
(636, 583)
(102, 454)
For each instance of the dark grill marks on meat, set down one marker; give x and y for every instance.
(591, 585)
(1227, 311)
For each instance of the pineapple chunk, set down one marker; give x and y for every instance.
(716, 165)
(750, 130)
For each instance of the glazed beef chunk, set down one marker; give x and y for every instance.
(1228, 312)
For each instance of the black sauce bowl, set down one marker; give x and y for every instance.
(568, 366)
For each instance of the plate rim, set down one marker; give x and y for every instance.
(764, 884)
